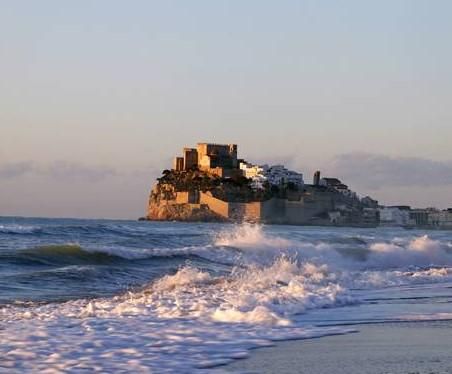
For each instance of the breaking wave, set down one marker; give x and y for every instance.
(75, 254)
(238, 288)
(204, 320)
(65, 253)
(18, 229)
(350, 252)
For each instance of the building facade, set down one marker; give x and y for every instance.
(275, 175)
(441, 219)
(216, 159)
(395, 216)
(211, 156)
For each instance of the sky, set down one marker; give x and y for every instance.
(97, 97)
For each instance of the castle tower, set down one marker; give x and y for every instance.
(190, 158)
(316, 178)
(178, 164)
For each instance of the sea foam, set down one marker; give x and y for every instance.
(193, 318)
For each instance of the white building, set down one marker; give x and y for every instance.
(275, 175)
(255, 173)
(394, 216)
(278, 175)
(251, 171)
(441, 219)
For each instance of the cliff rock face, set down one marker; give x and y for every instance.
(182, 212)
(177, 195)
(166, 204)
(197, 196)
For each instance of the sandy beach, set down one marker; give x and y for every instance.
(390, 348)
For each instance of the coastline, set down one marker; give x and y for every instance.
(390, 347)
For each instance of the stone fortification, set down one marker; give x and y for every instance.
(207, 184)
(166, 204)
(207, 198)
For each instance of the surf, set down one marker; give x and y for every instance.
(206, 293)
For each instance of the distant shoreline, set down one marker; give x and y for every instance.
(420, 228)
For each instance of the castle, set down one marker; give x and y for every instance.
(216, 159)
(209, 182)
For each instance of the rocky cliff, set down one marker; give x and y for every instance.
(198, 196)
(176, 195)
(166, 204)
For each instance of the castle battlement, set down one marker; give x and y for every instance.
(213, 158)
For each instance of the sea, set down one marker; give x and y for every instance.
(110, 296)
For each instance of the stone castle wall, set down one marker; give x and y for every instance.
(186, 197)
(250, 212)
(218, 206)
(313, 207)
(275, 210)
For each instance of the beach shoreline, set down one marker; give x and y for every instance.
(392, 347)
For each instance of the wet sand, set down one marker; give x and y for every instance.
(390, 348)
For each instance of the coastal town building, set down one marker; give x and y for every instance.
(256, 173)
(279, 175)
(368, 202)
(252, 171)
(405, 216)
(370, 216)
(420, 217)
(441, 219)
(333, 183)
(275, 175)
(395, 216)
(445, 219)
(316, 180)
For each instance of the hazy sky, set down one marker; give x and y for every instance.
(96, 97)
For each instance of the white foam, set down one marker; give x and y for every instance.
(419, 317)
(194, 319)
(248, 236)
(258, 315)
(419, 251)
(257, 246)
(17, 229)
(201, 320)
(184, 277)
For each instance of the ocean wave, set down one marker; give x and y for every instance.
(419, 251)
(275, 279)
(61, 229)
(75, 254)
(257, 246)
(204, 320)
(98, 229)
(269, 293)
(64, 253)
(16, 229)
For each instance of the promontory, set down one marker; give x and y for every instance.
(210, 183)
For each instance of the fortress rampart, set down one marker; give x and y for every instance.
(207, 184)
